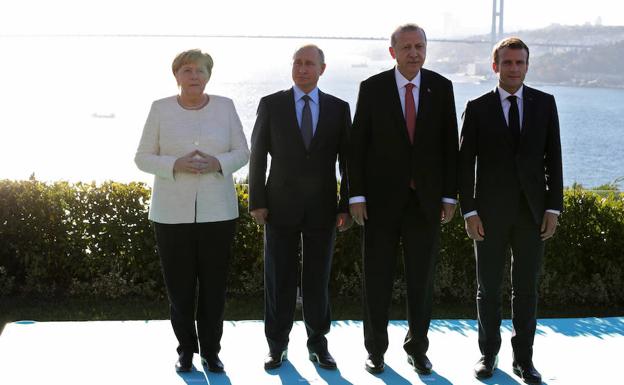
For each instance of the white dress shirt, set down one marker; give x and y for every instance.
(507, 104)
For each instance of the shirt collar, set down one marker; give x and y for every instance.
(314, 94)
(402, 81)
(504, 94)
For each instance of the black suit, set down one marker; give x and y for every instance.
(382, 165)
(301, 196)
(516, 181)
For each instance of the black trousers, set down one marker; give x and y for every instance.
(281, 261)
(195, 259)
(420, 240)
(518, 233)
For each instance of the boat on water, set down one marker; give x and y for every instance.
(110, 115)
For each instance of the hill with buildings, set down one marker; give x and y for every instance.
(587, 55)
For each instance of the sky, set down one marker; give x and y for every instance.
(356, 18)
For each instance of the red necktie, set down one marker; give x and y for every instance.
(410, 112)
(410, 119)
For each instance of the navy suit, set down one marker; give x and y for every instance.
(515, 182)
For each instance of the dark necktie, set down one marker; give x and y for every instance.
(306, 122)
(514, 119)
(410, 112)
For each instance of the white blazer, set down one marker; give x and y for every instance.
(171, 132)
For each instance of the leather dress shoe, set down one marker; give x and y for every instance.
(420, 363)
(484, 368)
(374, 364)
(274, 359)
(185, 362)
(527, 372)
(213, 363)
(324, 359)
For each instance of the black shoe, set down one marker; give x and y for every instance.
(274, 359)
(213, 363)
(185, 362)
(324, 359)
(374, 364)
(527, 372)
(420, 363)
(484, 368)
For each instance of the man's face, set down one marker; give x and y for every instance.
(307, 68)
(409, 51)
(511, 68)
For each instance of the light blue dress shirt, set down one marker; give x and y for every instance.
(314, 105)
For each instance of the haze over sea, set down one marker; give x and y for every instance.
(73, 108)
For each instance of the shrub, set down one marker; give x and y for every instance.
(95, 240)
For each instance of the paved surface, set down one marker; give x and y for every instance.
(567, 351)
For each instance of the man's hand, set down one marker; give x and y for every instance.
(343, 222)
(446, 212)
(474, 228)
(549, 225)
(358, 212)
(260, 215)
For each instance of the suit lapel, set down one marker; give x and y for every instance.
(321, 124)
(392, 95)
(424, 104)
(499, 116)
(290, 116)
(528, 113)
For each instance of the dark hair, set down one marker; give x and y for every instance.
(510, 42)
(406, 28)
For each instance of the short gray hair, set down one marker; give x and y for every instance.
(320, 51)
(410, 27)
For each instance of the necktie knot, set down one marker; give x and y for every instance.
(410, 86)
(512, 98)
(306, 98)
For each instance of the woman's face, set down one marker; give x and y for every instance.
(192, 78)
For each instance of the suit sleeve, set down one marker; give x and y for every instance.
(260, 148)
(359, 143)
(553, 164)
(450, 145)
(238, 155)
(343, 204)
(148, 157)
(467, 160)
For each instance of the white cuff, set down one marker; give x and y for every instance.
(357, 199)
(470, 214)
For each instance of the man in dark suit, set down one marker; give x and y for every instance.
(305, 131)
(402, 183)
(511, 192)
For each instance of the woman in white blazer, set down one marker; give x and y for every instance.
(193, 143)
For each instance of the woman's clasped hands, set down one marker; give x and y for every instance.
(197, 162)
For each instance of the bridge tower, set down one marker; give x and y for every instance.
(497, 12)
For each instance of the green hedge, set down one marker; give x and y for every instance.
(83, 240)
